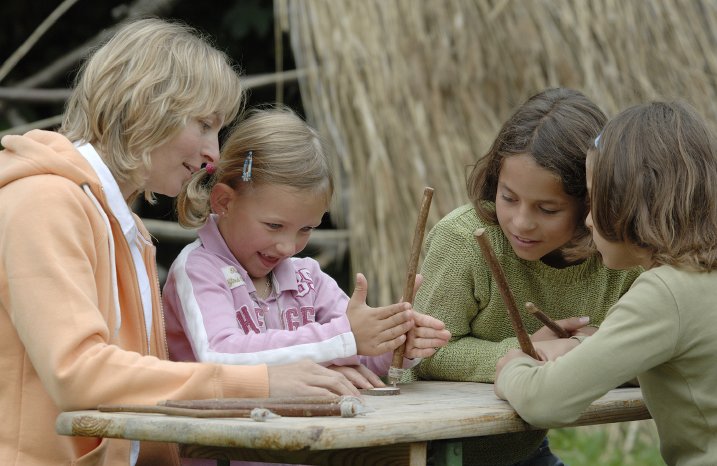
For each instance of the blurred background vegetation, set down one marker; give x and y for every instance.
(409, 93)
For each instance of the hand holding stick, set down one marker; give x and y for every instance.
(547, 321)
(396, 370)
(523, 338)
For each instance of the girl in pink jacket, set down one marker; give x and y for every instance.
(238, 295)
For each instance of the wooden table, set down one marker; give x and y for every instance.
(396, 432)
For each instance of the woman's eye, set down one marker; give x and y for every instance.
(206, 125)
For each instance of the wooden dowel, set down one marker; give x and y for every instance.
(547, 321)
(279, 408)
(396, 370)
(177, 408)
(248, 403)
(174, 411)
(523, 338)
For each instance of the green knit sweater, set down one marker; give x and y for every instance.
(458, 289)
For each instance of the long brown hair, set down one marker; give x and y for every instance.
(556, 127)
(654, 184)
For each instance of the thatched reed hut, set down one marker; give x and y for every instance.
(411, 93)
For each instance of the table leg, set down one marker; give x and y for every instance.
(417, 452)
(447, 453)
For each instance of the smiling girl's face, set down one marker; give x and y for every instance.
(266, 224)
(533, 210)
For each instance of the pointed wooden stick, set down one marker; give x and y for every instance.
(396, 370)
(523, 338)
(547, 321)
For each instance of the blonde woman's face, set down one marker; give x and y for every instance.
(174, 162)
(533, 210)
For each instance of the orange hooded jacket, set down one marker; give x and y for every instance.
(69, 338)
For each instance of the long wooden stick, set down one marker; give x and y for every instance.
(396, 370)
(174, 411)
(349, 407)
(523, 338)
(547, 321)
(249, 403)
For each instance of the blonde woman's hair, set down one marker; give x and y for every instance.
(284, 149)
(142, 87)
(654, 184)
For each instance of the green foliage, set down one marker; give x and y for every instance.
(623, 444)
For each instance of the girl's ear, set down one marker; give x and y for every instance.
(221, 197)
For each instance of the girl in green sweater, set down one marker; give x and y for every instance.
(529, 194)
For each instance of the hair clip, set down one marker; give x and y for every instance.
(597, 140)
(209, 167)
(246, 171)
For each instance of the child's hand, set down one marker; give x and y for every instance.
(380, 329)
(574, 326)
(550, 350)
(359, 375)
(509, 356)
(306, 378)
(427, 335)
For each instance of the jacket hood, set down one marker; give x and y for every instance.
(39, 152)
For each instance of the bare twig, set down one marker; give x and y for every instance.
(34, 37)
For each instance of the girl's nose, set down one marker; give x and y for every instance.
(285, 248)
(523, 220)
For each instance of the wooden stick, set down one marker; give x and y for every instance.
(174, 411)
(348, 408)
(523, 338)
(248, 403)
(396, 370)
(228, 404)
(547, 321)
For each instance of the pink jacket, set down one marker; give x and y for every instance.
(69, 339)
(213, 314)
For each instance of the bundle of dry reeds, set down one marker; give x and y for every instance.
(411, 93)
